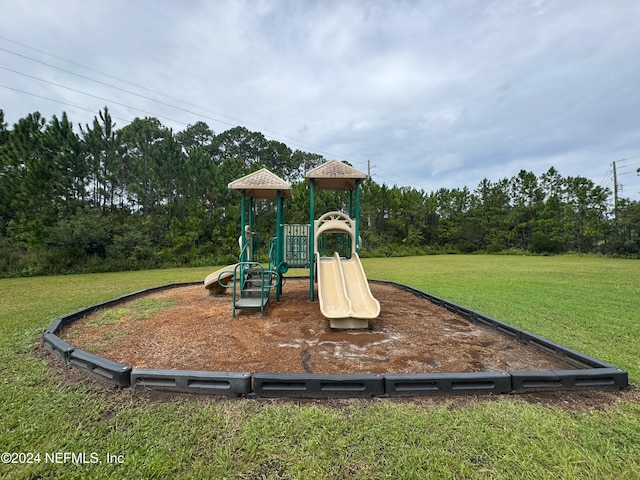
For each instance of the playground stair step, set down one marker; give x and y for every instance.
(251, 291)
(252, 302)
(255, 291)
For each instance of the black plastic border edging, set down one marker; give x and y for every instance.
(190, 381)
(591, 373)
(601, 378)
(108, 370)
(58, 346)
(317, 385)
(472, 383)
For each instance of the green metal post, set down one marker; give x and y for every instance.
(252, 250)
(312, 256)
(351, 213)
(242, 223)
(279, 240)
(357, 218)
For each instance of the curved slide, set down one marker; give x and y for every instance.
(215, 281)
(343, 292)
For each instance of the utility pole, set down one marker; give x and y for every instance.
(369, 167)
(615, 191)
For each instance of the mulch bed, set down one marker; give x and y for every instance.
(197, 332)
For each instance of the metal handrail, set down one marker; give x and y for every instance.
(272, 253)
(244, 248)
(240, 275)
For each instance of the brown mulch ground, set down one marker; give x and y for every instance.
(410, 336)
(198, 333)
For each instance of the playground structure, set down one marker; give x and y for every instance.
(345, 299)
(343, 291)
(252, 283)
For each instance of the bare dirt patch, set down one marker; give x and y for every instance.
(184, 328)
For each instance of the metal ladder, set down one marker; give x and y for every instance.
(255, 286)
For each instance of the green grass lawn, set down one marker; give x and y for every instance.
(587, 303)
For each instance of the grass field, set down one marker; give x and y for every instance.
(587, 303)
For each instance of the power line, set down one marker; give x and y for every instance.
(408, 182)
(631, 166)
(90, 95)
(628, 158)
(273, 135)
(116, 87)
(92, 110)
(606, 180)
(41, 86)
(141, 87)
(66, 103)
(143, 96)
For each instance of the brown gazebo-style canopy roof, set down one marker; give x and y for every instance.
(261, 184)
(334, 175)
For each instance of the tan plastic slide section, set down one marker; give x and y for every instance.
(224, 275)
(343, 290)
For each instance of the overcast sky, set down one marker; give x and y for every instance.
(434, 93)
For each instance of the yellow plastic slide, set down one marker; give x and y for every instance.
(214, 280)
(343, 292)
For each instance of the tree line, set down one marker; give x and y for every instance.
(101, 198)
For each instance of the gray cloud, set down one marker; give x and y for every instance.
(435, 94)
